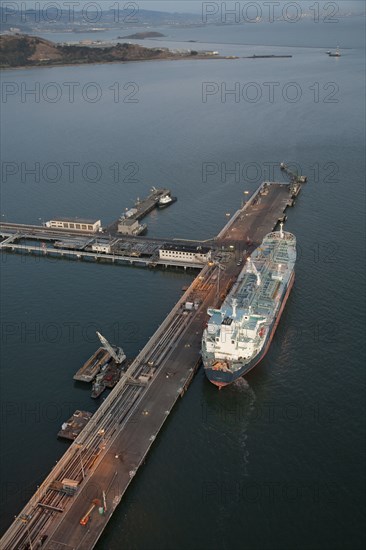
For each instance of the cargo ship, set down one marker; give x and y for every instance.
(238, 335)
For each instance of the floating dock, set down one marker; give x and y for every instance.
(74, 425)
(91, 368)
(106, 456)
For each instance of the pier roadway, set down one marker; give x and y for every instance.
(107, 454)
(56, 243)
(39, 232)
(257, 218)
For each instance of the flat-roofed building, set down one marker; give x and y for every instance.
(130, 227)
(185, 253)
(75, 224)
(101, 246)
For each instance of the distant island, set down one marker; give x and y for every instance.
(143, 35)
(22, 50)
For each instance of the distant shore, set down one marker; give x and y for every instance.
(55, 65)
(24, 51)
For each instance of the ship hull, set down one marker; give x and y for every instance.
(223, 378)
(165, 205)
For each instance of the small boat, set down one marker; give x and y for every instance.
(140, 229)
(337, 53)
(166, 200)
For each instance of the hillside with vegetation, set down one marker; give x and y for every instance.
(22, 50)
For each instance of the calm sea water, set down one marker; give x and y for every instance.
(273, 462)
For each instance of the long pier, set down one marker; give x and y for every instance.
(107, 454)
(124, 250)
(99, 256)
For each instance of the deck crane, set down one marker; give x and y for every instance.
(254, 270)
(115, 352)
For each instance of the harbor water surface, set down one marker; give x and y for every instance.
(275, 461)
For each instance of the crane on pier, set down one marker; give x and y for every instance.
(295, 180)
(115, 352)
(294, 177)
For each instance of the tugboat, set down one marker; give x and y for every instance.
(166, 200)
(337, 53)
